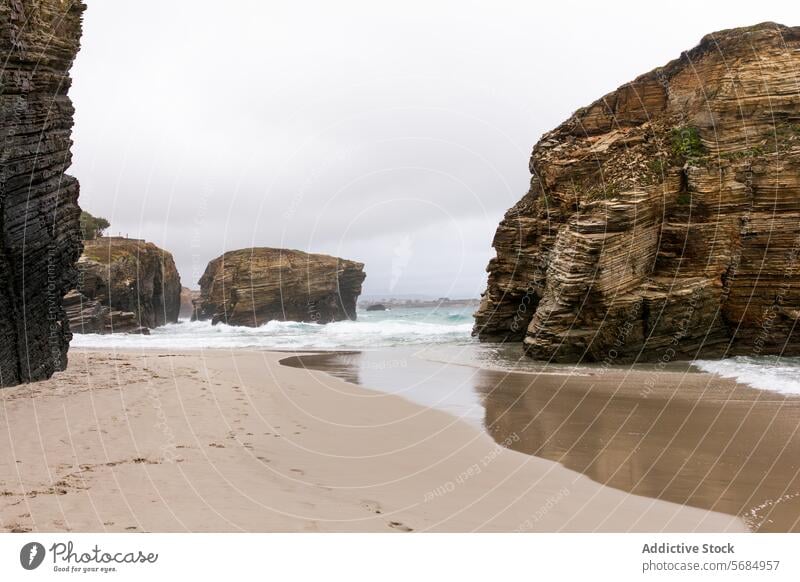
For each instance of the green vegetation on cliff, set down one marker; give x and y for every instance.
(92, 227)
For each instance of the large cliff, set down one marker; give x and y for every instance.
(253, 286)
(39, 232)
(125, 285)
(663, 220)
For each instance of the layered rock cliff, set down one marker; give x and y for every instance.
(663, 220)
(253, 286)
(125, 285)
(39, 231)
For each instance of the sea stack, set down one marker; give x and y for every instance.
(663, 220)
(39, 229)
(125, 285)
(253, 286)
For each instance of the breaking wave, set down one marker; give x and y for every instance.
(767, 373)
(395, 328)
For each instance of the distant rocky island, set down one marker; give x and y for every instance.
(663, 220)
(39, 231)
(124, 286)
(253, 286)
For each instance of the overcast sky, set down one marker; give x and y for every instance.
(393, 133)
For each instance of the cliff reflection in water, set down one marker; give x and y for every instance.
(693, 439)
(710, 444)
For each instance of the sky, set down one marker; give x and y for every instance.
(392, 133)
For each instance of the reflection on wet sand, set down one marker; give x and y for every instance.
(693, 439)
(689, 438)
(343, 365)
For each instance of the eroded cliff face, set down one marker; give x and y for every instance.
(253, 286)
(125, 285)
(39, 232)
(663, 220)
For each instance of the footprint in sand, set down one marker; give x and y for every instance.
(372, 506)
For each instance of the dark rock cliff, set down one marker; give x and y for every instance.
(663, 220)
(39, 232)
(125, 285)
(253, 286)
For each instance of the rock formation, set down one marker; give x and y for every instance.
(90, 316)
(663, 220)
(125, 285)
(39, 231)
(253, 286)
(188, 296)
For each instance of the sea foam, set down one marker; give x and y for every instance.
(767, 373)
(384, 330)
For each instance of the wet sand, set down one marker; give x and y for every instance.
(234, 441)
(689, 438)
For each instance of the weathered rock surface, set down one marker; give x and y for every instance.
(90, 316)
(188, 296)
(124, 286)
(663, 220)
(39, 232)
(253, 286)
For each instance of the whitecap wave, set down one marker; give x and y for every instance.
(286, 335)
(766, 373)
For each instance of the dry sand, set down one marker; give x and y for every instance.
(233, 441)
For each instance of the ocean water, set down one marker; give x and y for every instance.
(440, 334)
(372, 329)
(778, 374)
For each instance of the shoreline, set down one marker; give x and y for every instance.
(688, 436)
(233, 441)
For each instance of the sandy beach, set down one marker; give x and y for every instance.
(665, 432)
(234, 441)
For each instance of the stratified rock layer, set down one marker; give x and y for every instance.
(39, 232)
(125, 285)
(663, 221)
(253, 286)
